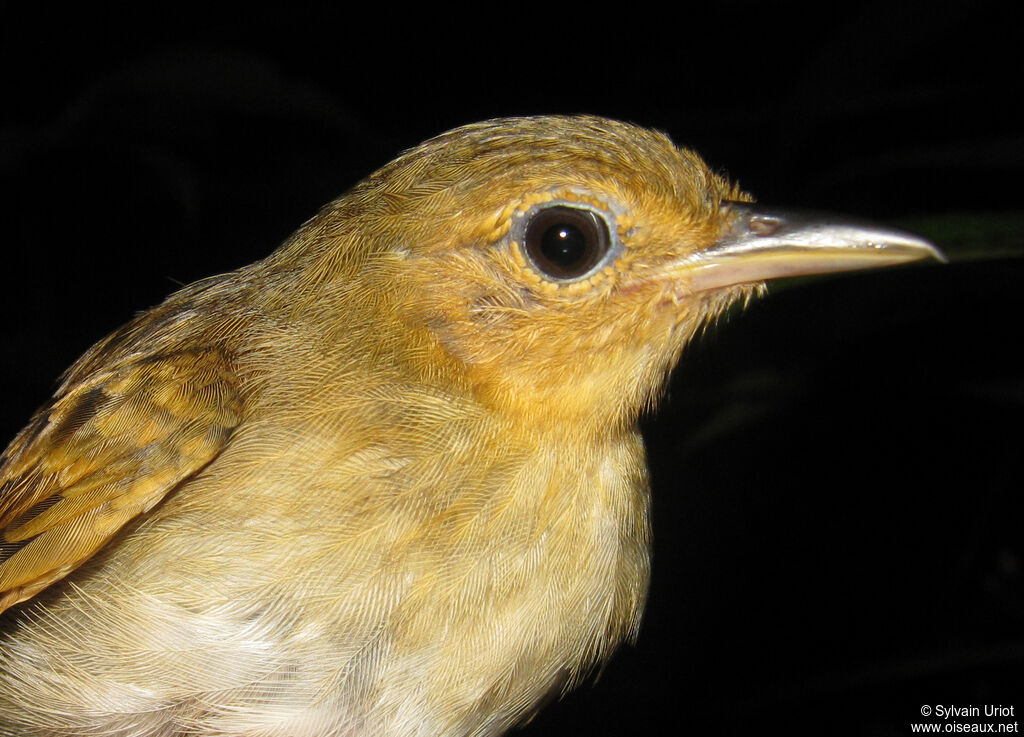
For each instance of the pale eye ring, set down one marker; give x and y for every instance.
(565, 242)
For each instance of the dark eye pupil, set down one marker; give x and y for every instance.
(566, 242)
(563, 245)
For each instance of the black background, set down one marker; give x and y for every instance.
(837, 470)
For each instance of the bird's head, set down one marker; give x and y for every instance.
(561, 264)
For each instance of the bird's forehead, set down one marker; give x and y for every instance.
(507, 158)
(476, 177)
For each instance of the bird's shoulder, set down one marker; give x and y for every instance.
(134, 417)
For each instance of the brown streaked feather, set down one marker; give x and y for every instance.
(103, 452)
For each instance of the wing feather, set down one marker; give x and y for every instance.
(103, 452)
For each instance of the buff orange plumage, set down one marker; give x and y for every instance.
(387, 481)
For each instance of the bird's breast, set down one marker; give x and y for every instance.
(437, 582)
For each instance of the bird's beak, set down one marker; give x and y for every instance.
(765, 244)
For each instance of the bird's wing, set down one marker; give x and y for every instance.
(105, 450)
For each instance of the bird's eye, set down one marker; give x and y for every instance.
(566, 242)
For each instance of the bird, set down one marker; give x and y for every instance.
(389, 479)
